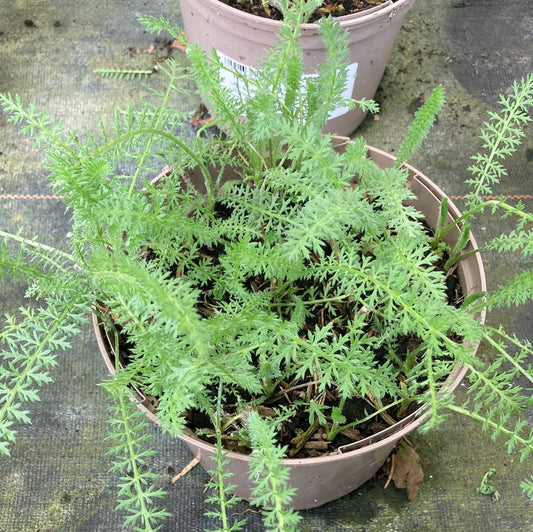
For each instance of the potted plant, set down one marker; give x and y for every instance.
(265, 290)
(243, 32)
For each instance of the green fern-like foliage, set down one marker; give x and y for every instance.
(221, 491)
(272, 492)
(502, 391)
(31, 344)
(122, 73)
(527, 486)
(130, 451)
(501, 136)
(261, 261)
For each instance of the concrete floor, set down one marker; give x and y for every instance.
(57, 477)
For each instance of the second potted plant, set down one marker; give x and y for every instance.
(242, 40)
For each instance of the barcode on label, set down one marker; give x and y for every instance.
(233, 72)
(235, 65)
(232, 75)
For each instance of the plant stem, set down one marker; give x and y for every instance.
(478, 208)
(41, 246)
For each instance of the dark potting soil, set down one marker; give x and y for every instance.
(335, 8)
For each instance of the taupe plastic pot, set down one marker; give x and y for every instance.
(242, 41)
(323, 479)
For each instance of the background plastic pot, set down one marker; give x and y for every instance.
(323, 479)
(242, 41)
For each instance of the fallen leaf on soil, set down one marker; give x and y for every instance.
(201, 116)
(406, 470)
(150, 50)
(178, 44)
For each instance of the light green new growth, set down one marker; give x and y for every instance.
(130, 451)
(221, 491)
(272, 491)
(501, 136)
(422, 123)
(527, 486)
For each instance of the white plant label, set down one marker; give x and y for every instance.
(232, 80)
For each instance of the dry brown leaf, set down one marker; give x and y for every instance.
(406, 470)
(178, 44)
(150, 50)
(201, 116)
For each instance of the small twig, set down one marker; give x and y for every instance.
(391, 472)
(207, 484)
(408, 442)
(165, 172)
(192, 464)
(386, 417)
(303, 438)
(285, 391)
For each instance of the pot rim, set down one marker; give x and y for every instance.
(386, 10)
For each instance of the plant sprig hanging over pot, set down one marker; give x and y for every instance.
(266, 263)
